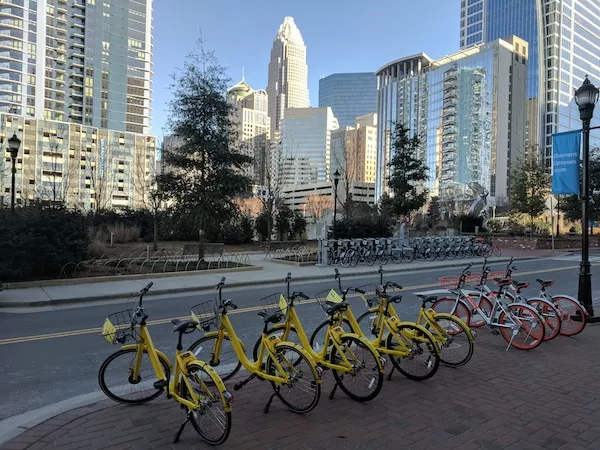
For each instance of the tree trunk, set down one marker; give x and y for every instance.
(531, 231)
(201, 240)
(155, 232)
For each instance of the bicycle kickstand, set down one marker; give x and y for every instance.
(515, 332)
(335, 387)
(187, 419)
(389, 377)
(268, 405)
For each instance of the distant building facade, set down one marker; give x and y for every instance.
(85, 167)
(349, 95)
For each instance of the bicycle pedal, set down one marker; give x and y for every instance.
(495, 332)
(160, 384)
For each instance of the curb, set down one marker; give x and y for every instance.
(13, 426)
(233, 284)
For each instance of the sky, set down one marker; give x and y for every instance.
(340, 36)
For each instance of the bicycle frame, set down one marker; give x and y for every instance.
(498, 306)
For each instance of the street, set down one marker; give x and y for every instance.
(46, 357)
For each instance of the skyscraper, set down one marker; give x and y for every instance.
(349, 95)
(287, 85)
(84, 62)
(250, 108)
(564, 38)
(467, 112)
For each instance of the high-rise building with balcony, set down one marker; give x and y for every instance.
(468, 112)
(349, 95)
(287, 85)
(84, 62)
(564, 44)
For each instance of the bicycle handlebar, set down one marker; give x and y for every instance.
(229, 303)
(360, 291)
(221, 283)
(396, 299)
(391, 283)
(300, 294)
(145, 289)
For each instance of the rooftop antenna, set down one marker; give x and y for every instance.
(243, 75)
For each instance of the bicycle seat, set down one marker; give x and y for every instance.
(335, 307)
(545, 283)
(502, 281)
(521, 284)
(427, 298)
(272, 318)
(182, 326)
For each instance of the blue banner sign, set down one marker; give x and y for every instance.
(565, 162)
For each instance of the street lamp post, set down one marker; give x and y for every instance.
(585, 97)
(336, 180)
(13, 147)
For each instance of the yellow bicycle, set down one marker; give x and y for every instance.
(356, 365)
(452, 336)
(410, 347)
(140, 372)
(289, 367)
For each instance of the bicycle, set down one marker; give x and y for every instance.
(450, 333)
(206, 404)
(274, 362)
(340, 354)
(404, 342)
(512, 319)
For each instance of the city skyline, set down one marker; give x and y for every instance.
(249, 53)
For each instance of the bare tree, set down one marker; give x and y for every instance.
(148, 189)
(317, 204)
(96, 181)
(347, 163)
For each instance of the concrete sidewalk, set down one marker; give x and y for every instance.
(264, 272)
(547, 398)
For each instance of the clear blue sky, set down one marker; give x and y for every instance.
(340, 36)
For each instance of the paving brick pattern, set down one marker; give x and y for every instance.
(548, 398)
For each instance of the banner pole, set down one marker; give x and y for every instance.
(552, 220)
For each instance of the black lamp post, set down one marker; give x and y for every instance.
(585, 97)
(13, 147)
(336, 180)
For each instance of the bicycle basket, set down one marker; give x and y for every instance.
(370, 296)
(119, 328)
(326, 297)
(273, 303)
(205, 315)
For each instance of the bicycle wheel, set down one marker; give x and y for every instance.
(476, 320)
(228, 363)
(116, 377)
(370, 258)
(345, 260)
(455, 339)
(365, 379)
(423, 361)
(354, 259)
(408, 256)
(213, 420)
(303, 390)
(396, 256)
(469, 252)
(478, 250)
(450, 253)
(384, 258)
(450, 306)
(486, 250)
(440, 254)
(429, 254)
(368, 323)
(550, 316)
(572, 315)
(531, 332)
(496, 250)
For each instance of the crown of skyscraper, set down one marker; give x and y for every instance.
(288, 31)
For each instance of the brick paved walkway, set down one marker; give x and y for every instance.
(548, 398)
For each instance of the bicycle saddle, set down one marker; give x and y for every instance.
(271, 318)
(545, 283)
(183, 326)
(502, 281)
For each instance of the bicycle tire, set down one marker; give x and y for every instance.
(375, 383)
(469, 252)
(228, 364)
(446, 305)
(573, 315)
(215, 395)
(301, 366)
(459, 252)
(496, 250)
(440, 254)
(152, 391)
(421, 344)
(354, 259)
(475, 319)
(367, 325)
(430, 255)
(396, 256)
(450, 254)
(370, 258)
(526, 314)
(384, 258)
(550, 316)
(408, 256)
(345, 260)
(460, 338)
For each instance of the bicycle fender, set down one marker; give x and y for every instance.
(218, 381)
(305, 354)
(574, 299)
(160, 354)
(458, 320)
(216, 333)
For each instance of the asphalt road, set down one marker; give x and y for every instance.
(46, 357)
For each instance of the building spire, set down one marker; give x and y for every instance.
(243, 77)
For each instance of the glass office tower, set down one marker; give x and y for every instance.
(349, 95)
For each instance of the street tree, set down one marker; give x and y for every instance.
(529, 188)
(408, 173)
(433, 213)
(317, 204)
(205, 170)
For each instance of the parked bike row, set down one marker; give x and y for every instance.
(356, 349)
(351, 252)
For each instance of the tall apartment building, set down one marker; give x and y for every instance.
(250, 108)
(287, 85)
(305, 149)
(356, 156)
(87, 168)
(467, 110)
(564, 44)
(84, 62)
(349, 95)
